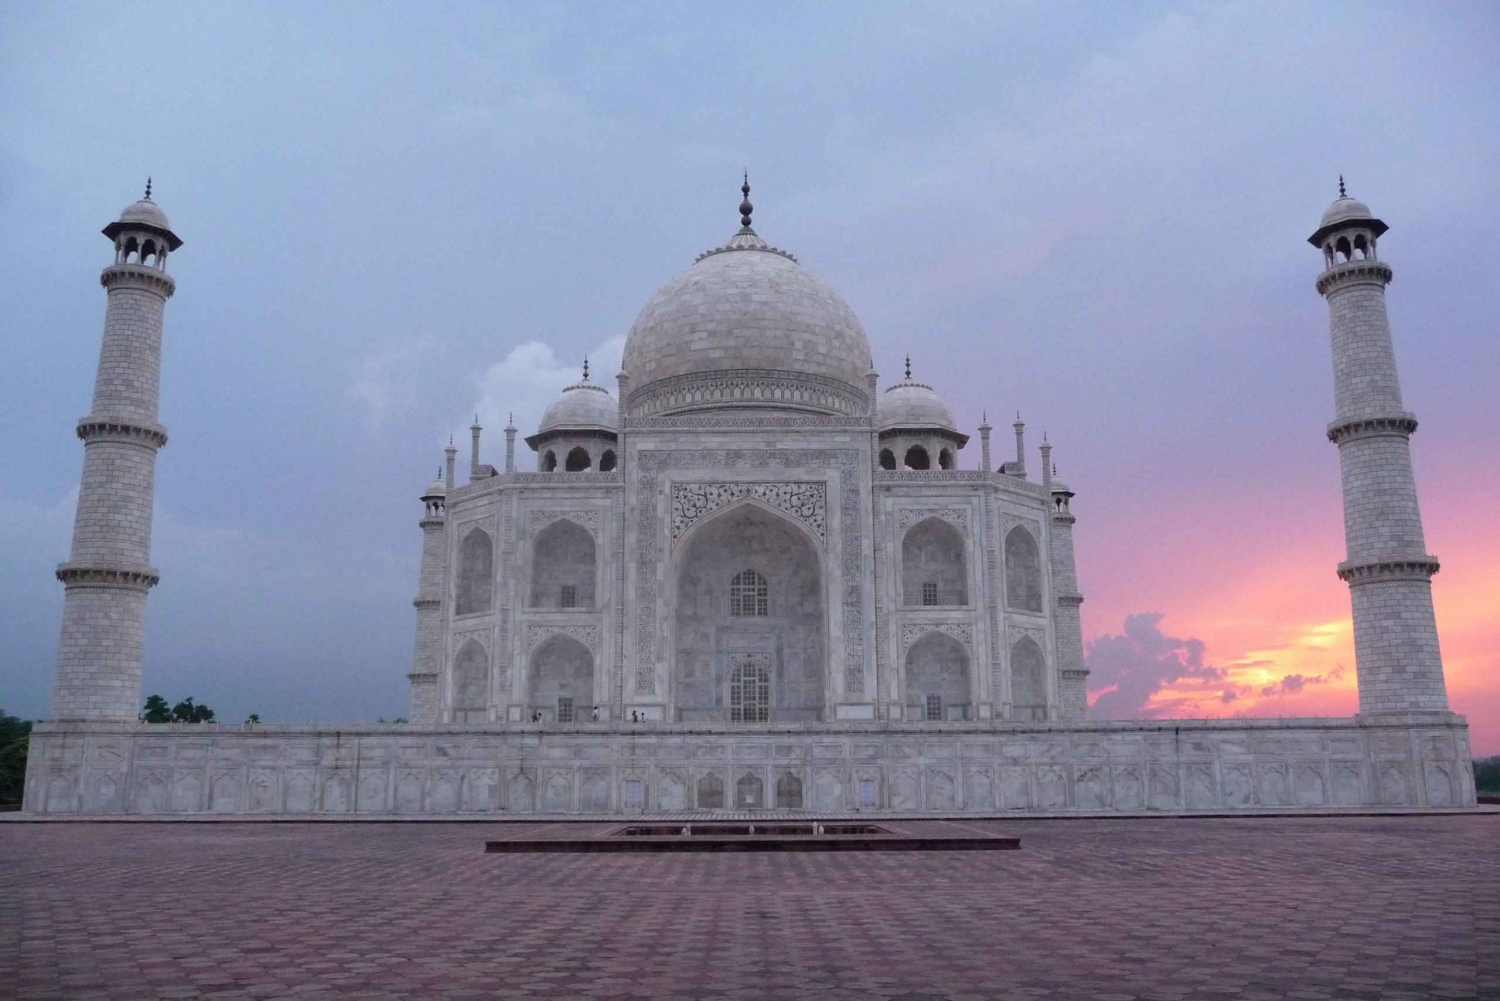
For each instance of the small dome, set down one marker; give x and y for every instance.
(1345, 209)
(911, 404)
(582, 406)
(437, 488)
(1343, 212)
(1060, 486)
(145, 211)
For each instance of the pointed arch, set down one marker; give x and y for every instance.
(790, 640)
(578, 460)
(564, 564)
(887, 459)
(549, 461)
(934, 569)
(476, 573)
(1028, 680)
(1023, 570)
(938, 683)
(471, 682)
(945, 459)
(562, 668)
(607, 461)
(917, 458)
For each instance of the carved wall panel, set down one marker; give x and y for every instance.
(807, 502)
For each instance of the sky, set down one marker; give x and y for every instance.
(396, 216)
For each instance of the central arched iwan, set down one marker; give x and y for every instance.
(785, 631)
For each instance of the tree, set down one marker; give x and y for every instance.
(15, 735)
(1487, 775)
(253, 718)
(188, 711)
(156, 710)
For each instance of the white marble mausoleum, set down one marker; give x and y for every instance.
(748, 576)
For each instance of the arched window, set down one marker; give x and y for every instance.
(476, 573)
(934, 707)
(917, 458)
(788, 792)
(938, 679)
(471, 670)
(887, 459)
(1361, 247)
(549, 461)
(711, 792)
(945, 459)
(1023, 571)
(607, 461)
(1343, 249)
(578, 460)
(749, 694)
(1028, 680)
(131, 246)
(933, 567)
(148, 252)
(748, 594)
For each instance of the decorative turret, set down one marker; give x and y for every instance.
(1018, 468)
(449, 455)
(108, 572)
(917, 430)
(1072, 675)
(427, 657)
(984, 442)
(1388, 569)
(474, 430)
(578, 430)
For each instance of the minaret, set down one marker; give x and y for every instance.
(510, 443)
(1388, 569)
(1072, 676)
(450, 454)
(108, 571)
(427, 658)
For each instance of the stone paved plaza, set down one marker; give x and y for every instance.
(1346, 907)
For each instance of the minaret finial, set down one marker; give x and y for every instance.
(908, 366)
(148, 189)
(745, 207)
(585, 368)
(1342, 193)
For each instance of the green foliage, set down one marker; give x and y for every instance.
(253, 718)
(1487, 775)
(187, 711)
(15, 735)
(156, 710)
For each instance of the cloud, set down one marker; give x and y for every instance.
(520, 386)
(384, 380)
(1292, 683)
(1141, 661)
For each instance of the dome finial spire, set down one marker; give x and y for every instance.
(1342, 192)
(148, 189)
(745, 207)
(585, 368)
(908, 366)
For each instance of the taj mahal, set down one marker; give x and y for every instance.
(746, 576)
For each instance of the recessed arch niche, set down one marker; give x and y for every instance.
(933, 568)
(563, 556)
(562, 668)
(938, 678)
(789, 641)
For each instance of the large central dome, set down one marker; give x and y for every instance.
(746, 327)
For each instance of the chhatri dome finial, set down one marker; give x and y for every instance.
(148, 189)
(1342, 192)
(745, 207)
